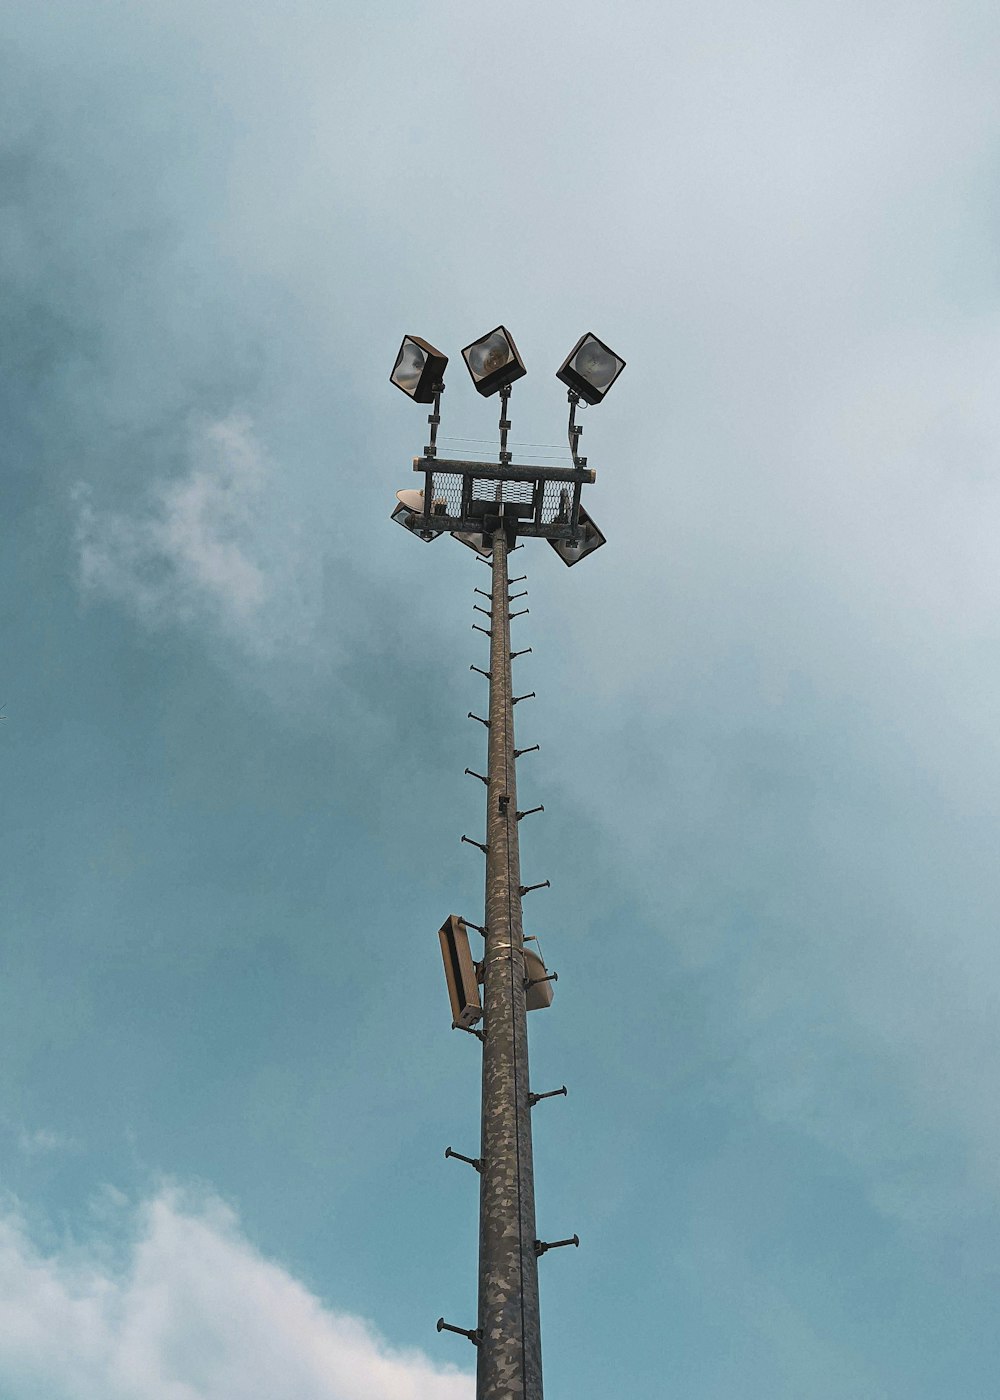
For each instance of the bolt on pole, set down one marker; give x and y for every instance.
(509, 1353)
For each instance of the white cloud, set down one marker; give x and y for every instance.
(32, 1141)
(191, 1311)
(211, 546)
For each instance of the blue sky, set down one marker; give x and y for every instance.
(235, 695)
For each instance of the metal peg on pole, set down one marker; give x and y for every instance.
(542, 1248)
(461, 1157)
(473, 1336)
(550, 1094)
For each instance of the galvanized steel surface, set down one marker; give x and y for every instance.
(509, 1353)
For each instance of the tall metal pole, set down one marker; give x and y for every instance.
(456, 500)
(509, 1352)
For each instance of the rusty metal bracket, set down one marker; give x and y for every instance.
(505, 424)
(474, 1336)
(541, 1247)
(461, 1157)
(434, 419)
(551, 1094)
(513, 471)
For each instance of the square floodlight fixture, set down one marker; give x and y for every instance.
(590, 368)
(411, 522)
(419, 369)
(480, 543)
(460, 974)
(410, 513)
(572, 551)
(494, 361)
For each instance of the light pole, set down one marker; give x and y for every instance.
(488, 506)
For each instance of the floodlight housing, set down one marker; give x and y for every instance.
(419, 369)
(590, 368)
(539, 995)
(572, 551)
(482, 544)
(410, 511)
(493, 361)
(460, 973)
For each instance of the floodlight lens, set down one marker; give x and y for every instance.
(409, 365)
(495, 359)
(590, 369)
(419, 369)
(596, 365)
(572, 551)
(489, 355)
(493, 362)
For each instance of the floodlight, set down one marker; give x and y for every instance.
(419, 369)
(540, 989)
(590, 368)
(494, 361)
(480, 543)
(410, 512)
(460, 973)
(572, 551)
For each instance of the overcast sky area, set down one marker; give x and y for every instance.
(235, 694)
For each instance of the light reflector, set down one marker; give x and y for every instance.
(480, 543)
(590, 368)
(493, 361)
(419, 368)
(571, 552)
(410, 513)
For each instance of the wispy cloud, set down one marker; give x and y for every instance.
(36, 1141)
(208, 546)
(191, 1312)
